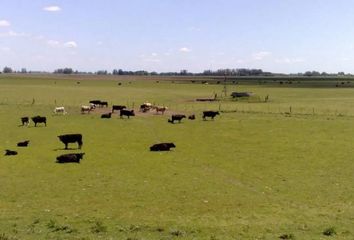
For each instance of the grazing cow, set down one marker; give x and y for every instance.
(106, 115)
(191, 117)
(210, 114)
(118, 107)
(25, 121)
(71, 138)
(104, 104)
(39, 119)
(145, 107)
(23, 144)
(158, 109)
(176, 117)
(240, 94)
(99, 103)
(162, 147)
(70, 158)
(60, 110)
(96, 102)
(127, 113)
(10, 153)
(87, 109)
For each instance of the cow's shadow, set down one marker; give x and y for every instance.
(63, 149)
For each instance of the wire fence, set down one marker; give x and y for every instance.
(193, 107)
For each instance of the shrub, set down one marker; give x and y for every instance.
(329, 231)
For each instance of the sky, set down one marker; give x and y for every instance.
(286, 36)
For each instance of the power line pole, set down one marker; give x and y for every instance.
(225, 87)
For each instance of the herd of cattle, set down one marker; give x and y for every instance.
(123, 111)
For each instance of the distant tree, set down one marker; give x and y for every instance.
(64, 71)
(183, 72)
(68, 71)
(102, 72)
(23, 70)
(7, 70)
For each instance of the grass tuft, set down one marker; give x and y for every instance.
(98, 227)
(287, 236)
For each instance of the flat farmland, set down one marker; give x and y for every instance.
(260, 170)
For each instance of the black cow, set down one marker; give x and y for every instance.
(127, 113)
(70, 158)
(23, 144)
(145, 107)
(106, 115)
(25, 121)
(104, 104)
(191, 117)
(10, 153)
(162, 147)
(210, 114)
(118, 107)
(240, 94)
(96, 102)
(39, 119)
(176, 117)
(71, 138)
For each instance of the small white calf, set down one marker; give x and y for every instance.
(60, 110)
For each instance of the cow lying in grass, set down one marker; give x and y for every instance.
(39, 119)
(70, 158)
(106, 115)
(10, 152)
(176, 117)
(191, 117)
(162, 147)
(23, 144)
(71, 138)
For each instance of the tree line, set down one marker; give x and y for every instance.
(237, 72)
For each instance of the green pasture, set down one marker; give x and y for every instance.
(260, 170)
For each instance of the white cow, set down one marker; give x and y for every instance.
(60, 110)
(87, 109)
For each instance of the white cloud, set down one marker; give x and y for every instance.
(70, 44)
(153, 57)
(4, 23)
(261, 55)
(5, 49)
(52, 9)
(13, 34)
(185, 50)
(289, 60)
(53, 43)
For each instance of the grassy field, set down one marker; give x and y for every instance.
(259, 171)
